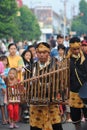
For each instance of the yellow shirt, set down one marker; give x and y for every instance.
(15, 62)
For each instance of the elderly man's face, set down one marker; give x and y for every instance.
(43, 56)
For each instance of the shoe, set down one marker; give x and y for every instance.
(83, 119)
(4, 123)
(26, 111)
(26, 117)
(69, 120)
(16, 126)
(11, 126)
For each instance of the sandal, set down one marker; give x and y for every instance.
(4, 123)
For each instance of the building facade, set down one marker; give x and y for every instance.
(50, 22)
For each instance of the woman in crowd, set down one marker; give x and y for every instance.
(15, 61)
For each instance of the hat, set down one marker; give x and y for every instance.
(84, 43)
(75, 42)
(43, 46)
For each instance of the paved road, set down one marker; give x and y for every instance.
(25, 126)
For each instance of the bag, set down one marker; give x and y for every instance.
(83, 93)
(83, 90)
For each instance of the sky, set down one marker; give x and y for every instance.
(72, 6)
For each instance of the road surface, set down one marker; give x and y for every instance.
(25, 126)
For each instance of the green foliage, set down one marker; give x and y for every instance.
(83, 10)
(79, 23)
(28, 24)
(20, 27)
(8, 12)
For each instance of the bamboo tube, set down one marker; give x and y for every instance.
(57, 81)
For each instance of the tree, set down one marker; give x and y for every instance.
(83, 11)
(8, 12)
(29, 26)
(20, 27)
(79, 23)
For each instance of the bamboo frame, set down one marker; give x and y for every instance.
(42, 89)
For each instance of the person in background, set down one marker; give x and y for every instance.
(54, 51)
(25, 44)
(2, 94)
(66, 42)
(61, 50)
(60, 39)
(15, 61)
(28, 63)
(28, 67)
(84, 46)
(33, 51)
(5, 62)
(51, 43)
(2, 47)
(61, 59)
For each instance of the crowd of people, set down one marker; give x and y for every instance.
(18, 62)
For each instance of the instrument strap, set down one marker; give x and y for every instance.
(78, 77)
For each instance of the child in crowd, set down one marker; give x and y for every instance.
(13, 104)
(2, 94)
(5, 62)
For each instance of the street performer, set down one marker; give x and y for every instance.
(44, 117)
(78, 76)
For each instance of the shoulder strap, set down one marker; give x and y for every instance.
(78, 77)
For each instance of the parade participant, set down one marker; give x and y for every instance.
(15, 61)
(44, 117)
(78, 74)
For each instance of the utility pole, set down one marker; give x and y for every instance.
(64, 17)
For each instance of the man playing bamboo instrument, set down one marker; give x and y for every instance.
(78, 75)
(45, 117)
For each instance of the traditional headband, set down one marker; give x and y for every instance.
(75, 45)
(42, 47)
